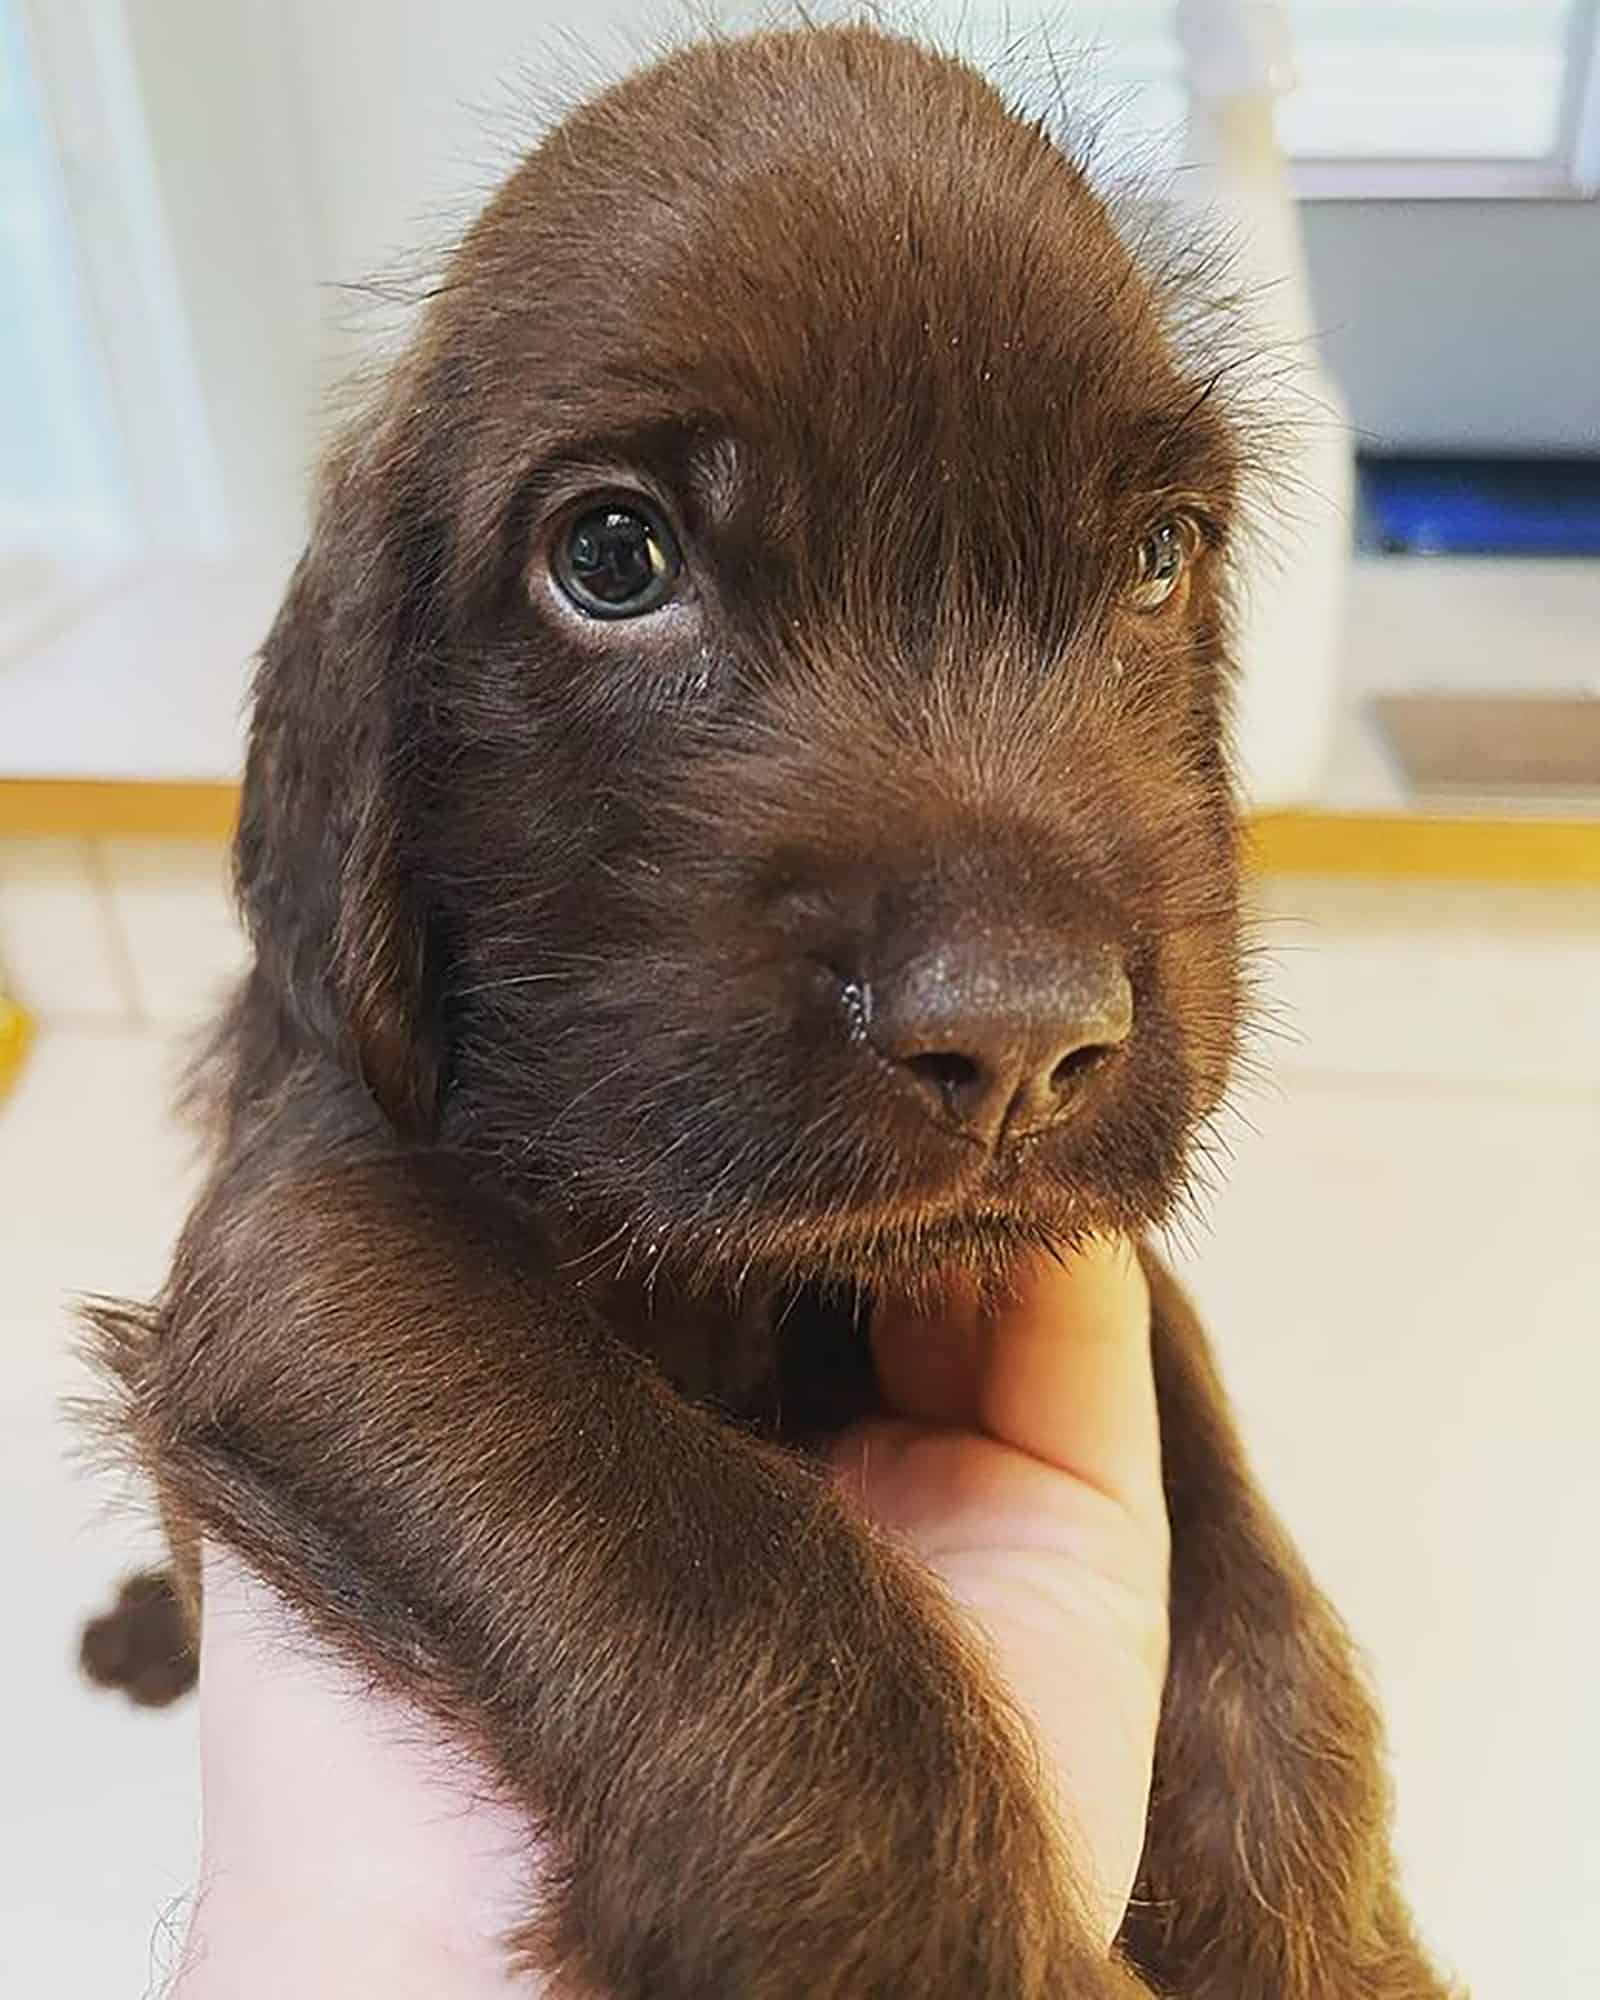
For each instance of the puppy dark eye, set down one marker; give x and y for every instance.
(1160, 562)
(617, 561)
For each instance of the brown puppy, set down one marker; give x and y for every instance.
(737, 815)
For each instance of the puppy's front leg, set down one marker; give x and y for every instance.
(1267, 1872)
(757, 1752)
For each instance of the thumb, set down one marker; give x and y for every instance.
(1059, 1370)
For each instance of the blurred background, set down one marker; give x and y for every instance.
(211, 211)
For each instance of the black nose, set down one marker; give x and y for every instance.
(1001, 1039)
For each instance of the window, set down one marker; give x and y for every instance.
(1392, 97)
(1447, 97)
(60, 484)
(1430, 79)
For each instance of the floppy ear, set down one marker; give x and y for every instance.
(321, 855)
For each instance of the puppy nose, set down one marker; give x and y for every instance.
(1001, 1042)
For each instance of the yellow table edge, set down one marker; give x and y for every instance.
(16, 1032)
(94, 808)
(1280, 843)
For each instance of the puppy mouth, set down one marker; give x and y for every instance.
(995, 1192)
(983, 1209)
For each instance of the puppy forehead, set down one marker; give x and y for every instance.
(820, 240)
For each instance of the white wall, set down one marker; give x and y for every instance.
(411, 111)
(215, 94)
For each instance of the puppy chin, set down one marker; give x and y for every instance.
(898, 1242)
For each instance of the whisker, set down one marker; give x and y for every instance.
(500, 985)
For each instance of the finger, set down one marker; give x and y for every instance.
(1060, 1371)
(1063, 1373)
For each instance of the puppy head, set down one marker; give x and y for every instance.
(743, 755)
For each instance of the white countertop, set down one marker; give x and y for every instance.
(147, 681)
(1455, 624)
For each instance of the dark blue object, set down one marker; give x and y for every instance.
(1481, 506)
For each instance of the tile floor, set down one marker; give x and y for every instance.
(1402, 1269)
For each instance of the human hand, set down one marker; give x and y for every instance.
(349, 1848)
(1022, 1462)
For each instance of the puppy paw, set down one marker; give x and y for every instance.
(142, 1645)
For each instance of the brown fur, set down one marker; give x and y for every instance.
(142, 1644)
(549, 1185)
